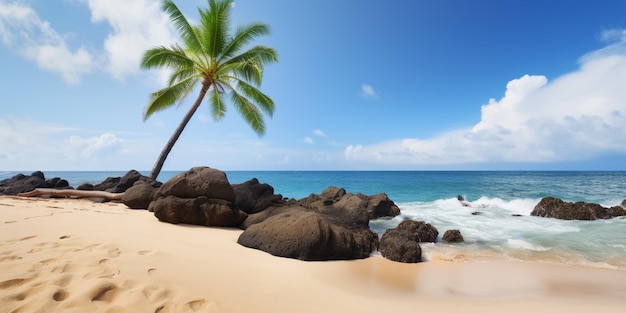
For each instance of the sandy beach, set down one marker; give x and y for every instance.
(69, 255)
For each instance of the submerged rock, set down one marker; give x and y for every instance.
(557, 208)
(452, 236)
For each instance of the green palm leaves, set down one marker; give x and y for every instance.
(211, 56)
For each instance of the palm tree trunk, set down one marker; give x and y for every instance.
(156, 170)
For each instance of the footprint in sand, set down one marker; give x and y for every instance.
(12, 283)
(60, 295)
(195, 305)
(9, 222)
(153, 272)
(64, 237)
(144, 252)
(104, 292)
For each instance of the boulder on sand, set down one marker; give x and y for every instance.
(200, 196)
(333, 225)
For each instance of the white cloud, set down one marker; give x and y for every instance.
(23, 30)
(136, 25)
(577, 116)
(368, 91)
(309, 140)
(95, 147)
(31, 144)
(319, 133)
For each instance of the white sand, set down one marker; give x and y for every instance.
(60, 255)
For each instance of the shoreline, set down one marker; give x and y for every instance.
(72, 255)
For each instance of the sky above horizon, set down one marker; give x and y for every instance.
(360, 85)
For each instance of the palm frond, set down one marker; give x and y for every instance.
(188, 33)
(173, 58)
(258, 97)
(218, 107)
(166, 97)
(214, 26)
(249, 112)
(244, 35)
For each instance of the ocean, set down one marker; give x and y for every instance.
(495, 233)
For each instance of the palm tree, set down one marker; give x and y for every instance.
(210, 55)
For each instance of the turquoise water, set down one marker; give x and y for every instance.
(494, 233)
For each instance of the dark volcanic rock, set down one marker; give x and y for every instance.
(198, 182)
(197, 211)
(452, 236)
(139, 195)
(299, 233)
(200, 196)
(252, 196)
(557, 208)
(120, 184)
(402, 244)
(333, 225)
(22, 183)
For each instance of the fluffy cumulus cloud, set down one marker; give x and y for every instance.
(23, 30)
(138, 26)
(575, 117)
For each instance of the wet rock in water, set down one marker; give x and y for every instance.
(402, 243)
(557, 208)
(452, 236)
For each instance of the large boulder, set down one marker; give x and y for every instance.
(402, 243)
(557, 208)
(200, 196)
(139, 195)
(333, 225)
(252, 196)
(196, 182)
(197, 211)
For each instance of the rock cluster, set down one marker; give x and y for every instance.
(557, 208)
(333, 225)
(21, 183)
(402, 243)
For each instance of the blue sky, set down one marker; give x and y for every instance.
(360, 85)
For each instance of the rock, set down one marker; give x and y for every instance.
(402, 244)
(333, 225)
(300, 233)
(198, 182)
(252, 196)
(381, 206)
(557, 208)
(22, 183)
(197, 211)
(85, 186)
(120, 184)
(200, 196)
(452, 236)
(139, 195)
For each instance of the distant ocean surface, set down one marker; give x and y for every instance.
(431, 196)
